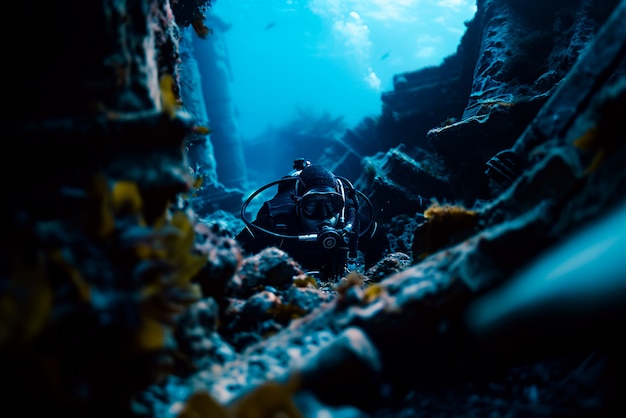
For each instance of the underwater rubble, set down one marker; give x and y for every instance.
(123, 292)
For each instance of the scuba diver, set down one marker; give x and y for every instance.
(319, 219)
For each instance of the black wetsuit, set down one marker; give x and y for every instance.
(279, 215)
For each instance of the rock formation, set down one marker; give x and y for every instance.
(505, 296)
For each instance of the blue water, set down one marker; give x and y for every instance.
(329, 56)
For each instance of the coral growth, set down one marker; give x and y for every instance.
(445, 225)
(89, 299)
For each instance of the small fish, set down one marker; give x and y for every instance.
(385, 55)
(269, 26)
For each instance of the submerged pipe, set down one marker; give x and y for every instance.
(214, 66)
